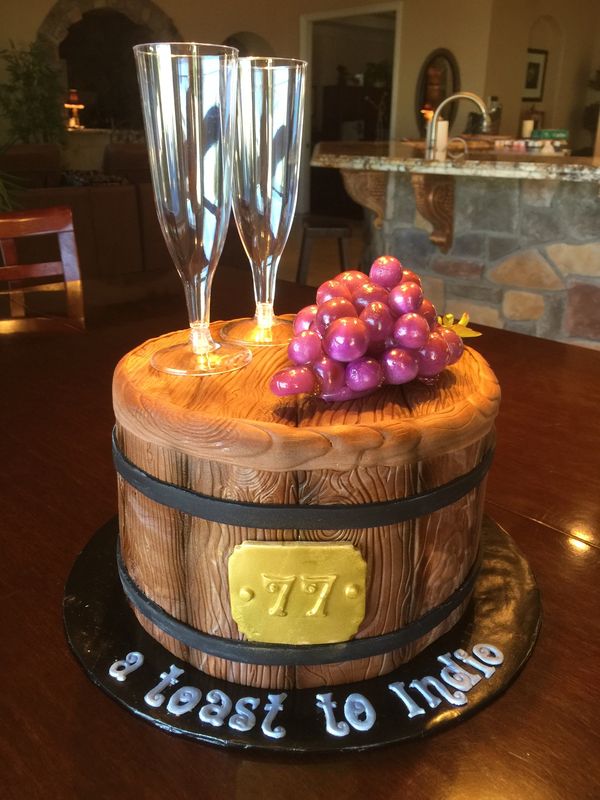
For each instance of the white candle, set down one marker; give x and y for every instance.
(441, 139)
(526, 128)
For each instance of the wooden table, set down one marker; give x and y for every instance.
(61, 737)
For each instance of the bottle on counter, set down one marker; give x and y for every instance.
(495, 112)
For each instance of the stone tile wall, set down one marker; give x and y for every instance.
(525, 256)
(65, 13)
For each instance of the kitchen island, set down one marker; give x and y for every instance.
(511, 238)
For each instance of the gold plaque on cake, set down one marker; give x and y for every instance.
(297, 592)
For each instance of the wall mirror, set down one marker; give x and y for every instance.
(439, 77)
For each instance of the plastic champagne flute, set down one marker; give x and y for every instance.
(270, 109)
(189, 98)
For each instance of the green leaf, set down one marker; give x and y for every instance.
(31, 97)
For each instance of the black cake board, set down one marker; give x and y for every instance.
(504, 612)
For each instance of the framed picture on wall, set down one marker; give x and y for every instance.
(535, 74)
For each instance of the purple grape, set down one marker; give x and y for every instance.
(305, 348)
(411, 331)
(334, 309)
(333, 288)
(364, 375)
(345, 393)
(456, 346)
(318, 328)
(346, 339)
(427, 310)
(304, 318)
(364, 331)
(408, 276)
(377, 348)
(379, 321)
(386, 271)
(399, 365)
(330, 374)
(405, 298)
(433, 357)
(368, 293)
(293, 380)
(352, 279)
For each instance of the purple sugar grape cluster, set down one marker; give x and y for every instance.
(364, 332)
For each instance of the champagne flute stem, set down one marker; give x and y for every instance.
(264, 291)
(200, 338)
(197, 298)
(264, 315)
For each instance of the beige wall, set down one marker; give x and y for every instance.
(488, 37)
(570, 37)
(461, 27)
(275, 20)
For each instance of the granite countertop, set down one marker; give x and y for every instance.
(480, 163)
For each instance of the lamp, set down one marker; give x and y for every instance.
(74, 105)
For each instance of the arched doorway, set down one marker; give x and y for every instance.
(99, 61)
(94, 47)
(65, 13)
(546, 35)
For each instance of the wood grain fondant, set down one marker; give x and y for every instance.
(229, 437)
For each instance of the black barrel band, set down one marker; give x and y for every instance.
(287, 654)
(298, 517)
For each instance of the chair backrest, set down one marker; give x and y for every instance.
(32, 165)
(128, 160)
(17, 280)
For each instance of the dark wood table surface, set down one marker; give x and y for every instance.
(61, 737)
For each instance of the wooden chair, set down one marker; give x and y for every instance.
(321, 228)
(18, 280)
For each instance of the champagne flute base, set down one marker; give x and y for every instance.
(179, 359)
(249, 332)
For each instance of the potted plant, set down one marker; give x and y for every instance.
(31, 96)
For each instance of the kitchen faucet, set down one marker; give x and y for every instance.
(431, 140)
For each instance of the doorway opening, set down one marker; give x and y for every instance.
(99, 60)
(353, 58)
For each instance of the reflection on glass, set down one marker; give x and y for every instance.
(188, 98)
(266, 170)
(578, 545)
(579, 538)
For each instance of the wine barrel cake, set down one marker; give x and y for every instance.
(288, 542)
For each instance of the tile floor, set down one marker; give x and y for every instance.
(324, 261)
